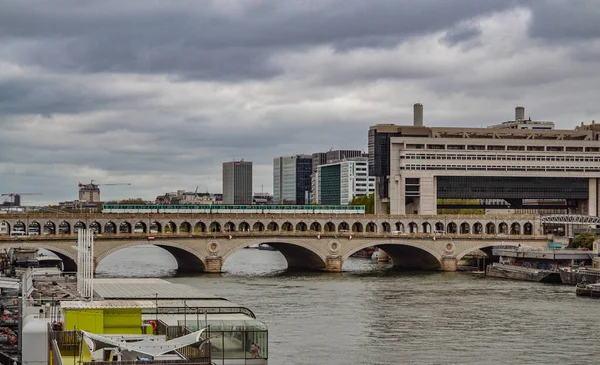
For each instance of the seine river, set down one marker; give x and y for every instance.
(370, 315)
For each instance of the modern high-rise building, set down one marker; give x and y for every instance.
(322, 158)
(291, 179)
(340, 182)
(237, 182)
(522, 164)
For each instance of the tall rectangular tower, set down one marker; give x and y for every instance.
(237, 182)
(291, 179)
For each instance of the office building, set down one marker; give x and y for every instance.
(340, 182)
(322, 158)
(237, 182)
(291, 179)
(534, 167)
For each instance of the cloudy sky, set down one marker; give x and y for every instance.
(160, 93)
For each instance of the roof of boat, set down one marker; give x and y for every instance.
(100, 304)
(152, 289)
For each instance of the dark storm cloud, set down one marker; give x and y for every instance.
(48, 96)
(204, 41)
(560, 20)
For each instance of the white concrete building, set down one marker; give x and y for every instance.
(519, 166)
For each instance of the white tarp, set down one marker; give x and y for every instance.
(147, 346)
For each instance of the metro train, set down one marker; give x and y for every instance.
(236, 209)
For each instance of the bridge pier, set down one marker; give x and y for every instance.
(448, 263)
(333, 263)
(383, 256)
(214, 264)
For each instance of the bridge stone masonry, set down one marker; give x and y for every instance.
(202, 243)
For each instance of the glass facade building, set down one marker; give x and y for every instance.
(292, 179)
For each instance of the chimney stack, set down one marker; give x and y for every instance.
(418, 115)
(519, 113)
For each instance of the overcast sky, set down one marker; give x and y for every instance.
(159, 93)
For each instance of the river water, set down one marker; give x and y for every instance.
(371, 315)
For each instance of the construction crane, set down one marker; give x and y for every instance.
(91, 192)
(16, 197)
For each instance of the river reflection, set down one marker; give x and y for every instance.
(371, 315)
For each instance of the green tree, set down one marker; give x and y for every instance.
(133, 201)
(585, 239)
(367, 200)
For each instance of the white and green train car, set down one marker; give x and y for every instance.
(235, 209)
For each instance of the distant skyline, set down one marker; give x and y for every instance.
(160, 94)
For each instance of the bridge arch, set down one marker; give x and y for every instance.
(439, 226)
(465, 228)
(63, 228)
(399, 226)
(413, 227)
(301, 227)
(343, 226)
(503, 228)
(329, 227)
(49, 227)
(96, 227)
(287, 227)
(272, 227)
(371, 227)
(426, 227)
(185, 227)
(8, 226)
(405, 255)
(34, 225)
(187, 261)
(229, 226)
(258, 227)
(486, 247)
(214, 227)
(357, 227)
(69, 258)
(158, 225)
(528, 228)
(244, 227)
(515, 228)
(110, 227)
(125, 227)
(478, 228)
(451, 229)
(78, 225)
(386, 227)
(200, 227)
(297, 253)
(140, 227)
(490, 228)
(315, 227)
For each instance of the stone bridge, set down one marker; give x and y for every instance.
(202, 243)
